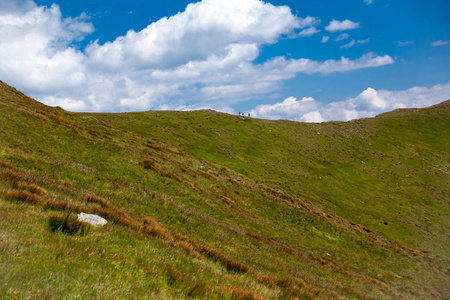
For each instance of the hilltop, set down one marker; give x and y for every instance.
(208, 205)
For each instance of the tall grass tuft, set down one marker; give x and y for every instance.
(197, 289)
(107, 210)
(153, 228)
(25, 196)
(231, 265)
(241, 294)
(293, 287)
(6, 165)
(30, 187)
(98, 200)
(189, 248)
(11, 176)
(68, 225)
(186, 282)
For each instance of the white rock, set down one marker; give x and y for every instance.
(92, 219)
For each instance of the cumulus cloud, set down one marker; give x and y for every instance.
(202, 29)
(34, 47)
(290, 108)
(325, 39)
(202, 57)
(368, 2)
(439, 43)
(341, 25)
(368, 103)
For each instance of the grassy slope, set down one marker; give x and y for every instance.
(246, 208)
(371, 171)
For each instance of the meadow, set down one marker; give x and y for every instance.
(209, 205)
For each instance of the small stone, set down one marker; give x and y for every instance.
(91, 219)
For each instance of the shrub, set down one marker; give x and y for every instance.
(68, 225)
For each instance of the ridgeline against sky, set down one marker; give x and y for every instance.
(327, 60)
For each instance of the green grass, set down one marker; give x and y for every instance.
(208, 205)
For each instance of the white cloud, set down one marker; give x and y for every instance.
(341, 37)
(368, 103)
(307, 66)
(325, 39)
(312, 117)
(363, 41)
(439, 43)
(406, 43)
(202, 29)
(368, 2)
(349, 45)
(307, 32)
(309, 22)
(353, 42)
(341, 25)
(34, 47)
(201, 57)
(290, 108)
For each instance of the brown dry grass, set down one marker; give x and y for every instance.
(151, 145)
(189, 248)
(109, 211)
(6, 165)
(98, 200)
(216, 255)
(62, 205)
(30, 187)
(148, 163)
(11, 176)
(186, 282)
(241, 294)
(290, 286)
(24, 196)
(153, 228)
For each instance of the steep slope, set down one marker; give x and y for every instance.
(203, 204)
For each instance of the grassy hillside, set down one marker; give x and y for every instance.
(208, 205)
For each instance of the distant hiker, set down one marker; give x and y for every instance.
(239, 113)
(249, 115)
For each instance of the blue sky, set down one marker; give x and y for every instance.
(300, 60)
